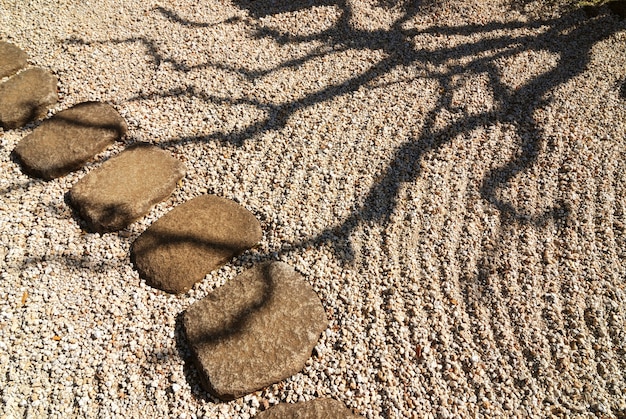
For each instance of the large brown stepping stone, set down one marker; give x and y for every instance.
(26, 97)
(313, 409)
(125, 187)
(193, 239)
(70, 138)
(12, 59)
(255, 330)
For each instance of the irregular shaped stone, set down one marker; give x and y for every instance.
(255, 330)
(313, 409)
(193, 239)
(26, 97)
(12, 59)
(125, 187)
(70, 138)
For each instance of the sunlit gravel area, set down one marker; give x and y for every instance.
(449, 176)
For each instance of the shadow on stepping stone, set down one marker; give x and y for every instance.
(193, 239)
(125, 187)
(257, 329)
(12, 59)
(26, 96)
(70, 138)
(184, 352)
(313, 409)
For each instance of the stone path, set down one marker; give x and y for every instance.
(314, 409)
(255, 330)
(26, 96)
(195, 238)
(69, 139)
(12, 59)
(125, 187)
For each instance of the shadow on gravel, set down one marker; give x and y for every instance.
(189, 368)
(570, 37)
(19, 186)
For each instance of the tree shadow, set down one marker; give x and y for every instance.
(515, 106)
(191, 371)
(208, 254)
(195, 338)
(66, 141)
(568, 37)
(28, 112)
(15, 185)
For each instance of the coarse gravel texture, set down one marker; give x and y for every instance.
(449, 176)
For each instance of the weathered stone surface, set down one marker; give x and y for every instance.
(26, 96)
(125, 187)
(12, 59)
(256, 330)
(313, 409)
(193, 239)
(71, 137)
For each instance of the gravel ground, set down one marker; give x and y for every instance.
(450, 178)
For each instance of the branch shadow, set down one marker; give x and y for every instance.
(173, 16)
(30, 112)
(208, 255)
(191, 371)
(66, 141)
(569, 37)
(192, 337)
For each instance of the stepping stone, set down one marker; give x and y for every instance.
(69, 139)
(26, 97)
(125, 187)
(193, 239)
(313, 409)
(255, 330)
(12, 59)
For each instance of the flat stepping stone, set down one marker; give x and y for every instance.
(193, 239)
(313, 409)
(27, 96)
(125, 187)
(70, 138)
(12, 59)
(257, 329)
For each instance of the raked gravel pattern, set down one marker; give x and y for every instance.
(450, 178)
